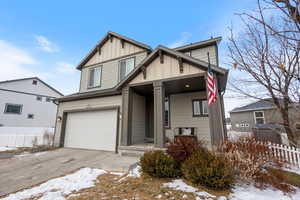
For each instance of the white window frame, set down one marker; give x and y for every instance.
(120, 66)
(94, 85)
(201, 107)
(263, 116)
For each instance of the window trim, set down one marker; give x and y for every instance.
(201, 108)
(119, 66)
(169, 114)
(89, 77)
(7, 104)
(263, 116)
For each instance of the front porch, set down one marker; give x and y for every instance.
(155, 112)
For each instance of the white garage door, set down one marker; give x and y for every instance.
(92, 130)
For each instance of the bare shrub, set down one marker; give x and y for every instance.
(183, 147)
(253, 161)
(35, 141)
(48, 138)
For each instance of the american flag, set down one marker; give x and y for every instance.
(211, 86)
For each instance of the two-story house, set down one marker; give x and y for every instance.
(132, 95)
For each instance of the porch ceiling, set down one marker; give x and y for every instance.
(185, 85)
(191, 84)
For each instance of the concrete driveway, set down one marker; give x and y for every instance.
(27, 170)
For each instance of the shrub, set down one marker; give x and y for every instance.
(208, 169)
(159, 164)
(183, 147)
(251, 161)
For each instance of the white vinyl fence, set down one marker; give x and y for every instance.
(23, 136)
(288, 154)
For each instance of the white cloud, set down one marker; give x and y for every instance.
(14, 62)
(182, 41)
(66, 68)
(46, 45)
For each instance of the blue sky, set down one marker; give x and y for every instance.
(49, 38)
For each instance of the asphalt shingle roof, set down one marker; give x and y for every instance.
(261, 104)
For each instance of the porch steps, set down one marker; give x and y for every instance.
(136, 151)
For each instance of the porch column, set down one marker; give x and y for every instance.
(126, 116)
(216, 119)
(159, 107)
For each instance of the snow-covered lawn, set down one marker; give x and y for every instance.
(69, 185)
(59, 187)
(249, 192)
(178, 184)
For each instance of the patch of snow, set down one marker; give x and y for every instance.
(294, 170)
(178, 184)
(222, 198)
(234, 135)
(7, 148)
(117, 173)
(249, 192)
(135, 172)
(59, 187)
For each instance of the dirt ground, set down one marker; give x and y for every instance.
(111, 186)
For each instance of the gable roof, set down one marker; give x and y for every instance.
(258, 105)
(198, 63)
(104, 39)
(200, 44)
(32, 78)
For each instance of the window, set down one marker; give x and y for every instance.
(13, 108)
(34, 82)
(259, 117)
(200, 108)
(125, 67)
(48, 99)
(30, 116)
(39, 98)
(167, 112)
(95, 77)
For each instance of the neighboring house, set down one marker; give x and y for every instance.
(245, 118)
(131, 95)
(27, 102)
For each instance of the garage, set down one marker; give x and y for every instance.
(92, 130)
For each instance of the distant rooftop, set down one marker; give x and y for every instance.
(258, 105)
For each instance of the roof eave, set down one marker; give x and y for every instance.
(104, 39)
(199, 44)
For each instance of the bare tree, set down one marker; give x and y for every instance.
(268, 51)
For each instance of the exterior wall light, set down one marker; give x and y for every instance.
(187, 86)
(59, 118)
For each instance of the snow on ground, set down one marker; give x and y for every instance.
(234, 135)
(294, 170)
(7, 148)
(178, 184)
(135, 172)
(59, 187)
(249, 192)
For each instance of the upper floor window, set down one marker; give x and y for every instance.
(200, 108)
(95, 77)
(34, 82)
(125, 67)
(259, 117)
(13, 108)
